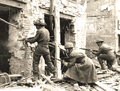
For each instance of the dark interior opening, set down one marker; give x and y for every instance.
(64, 26)
(4, 51)
(47, 21)
(119, 41)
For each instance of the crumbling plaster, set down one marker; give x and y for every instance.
(19, 63)
(101, 17)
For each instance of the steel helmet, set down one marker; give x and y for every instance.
(99, 40)
(69, 45)
(39, 21)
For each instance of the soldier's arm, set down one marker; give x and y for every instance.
(33, 39)
(97, 53)
(72, 62)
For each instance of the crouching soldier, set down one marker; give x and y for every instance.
(105, 53)
(80, 67)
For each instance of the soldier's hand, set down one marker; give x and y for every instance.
(20, 39)
(65, 63)
(90, 50)
(83, 61)
(95, 53)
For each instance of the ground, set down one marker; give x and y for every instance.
(107, 79)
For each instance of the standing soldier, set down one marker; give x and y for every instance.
(42, 37)
(105, 53)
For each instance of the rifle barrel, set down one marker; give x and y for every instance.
(89, 50)
(57, 58)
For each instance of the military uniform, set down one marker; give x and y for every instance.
(42, 37)
(106, 53)
(81, 68)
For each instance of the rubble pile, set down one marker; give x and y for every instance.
(107, 81)
(112, 81)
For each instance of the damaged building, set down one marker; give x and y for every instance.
(9, 21)
(78, 21)
(102, 22)
(17, 18)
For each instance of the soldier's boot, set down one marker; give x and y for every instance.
(102, 63)
(103, 66)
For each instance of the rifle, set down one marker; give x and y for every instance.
(56, 58)
(93, 51)
(63, 58)
(89, 50)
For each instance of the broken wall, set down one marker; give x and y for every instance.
(118, 24)
(21, 61)
(101, 23)
(4, 53)
(78, 10)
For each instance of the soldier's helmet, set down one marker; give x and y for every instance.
(69, 45)
(99, 40)
(39, 21)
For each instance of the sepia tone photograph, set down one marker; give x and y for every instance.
(60, 45)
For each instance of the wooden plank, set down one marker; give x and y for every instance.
(48, 87)
(97, 88)
(57, 41)
(103, 75)
(13, 3)
(21, 1)
(15, 75)
(104, 86)
(48, 78)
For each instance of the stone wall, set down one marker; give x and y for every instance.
(22, 59)
(117, 24)
(101, 23)
(78, 10)
(21, 63)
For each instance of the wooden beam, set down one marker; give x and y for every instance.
(9, 23)
(62, 15)
(104, 86)
(13, 3)
(66, 16)
(21, 1)
(57, 41)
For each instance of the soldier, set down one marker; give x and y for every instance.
(80, 67)
(42, 37)
(105, 53)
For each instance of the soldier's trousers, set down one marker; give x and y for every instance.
(110, 58)
(36, 59)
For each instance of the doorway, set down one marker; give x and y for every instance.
(4, 51)
(64, 26)
(119, 42)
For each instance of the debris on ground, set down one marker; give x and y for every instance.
(107, 81)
